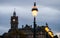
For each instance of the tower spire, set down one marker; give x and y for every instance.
(14, 14)
(14, 21)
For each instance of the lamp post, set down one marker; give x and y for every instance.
(34, 13)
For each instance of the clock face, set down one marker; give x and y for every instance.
(14, 20)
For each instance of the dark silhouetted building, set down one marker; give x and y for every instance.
(27, 30)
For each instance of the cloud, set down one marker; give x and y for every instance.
(58, 34)
(50, 3)
(49, 11)
(3, 29)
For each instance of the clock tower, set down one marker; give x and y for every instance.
(14, 21)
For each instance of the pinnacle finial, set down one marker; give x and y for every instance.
(14, 14)
(46, 24)
(14, 9)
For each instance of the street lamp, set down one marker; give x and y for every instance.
(34, 13)
(34, 10)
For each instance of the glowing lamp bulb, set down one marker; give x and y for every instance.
(34, 13)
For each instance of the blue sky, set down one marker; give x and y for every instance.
(49, 11)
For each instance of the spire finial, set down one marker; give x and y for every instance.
(14, 14)
(14, 9)
(46, 24)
